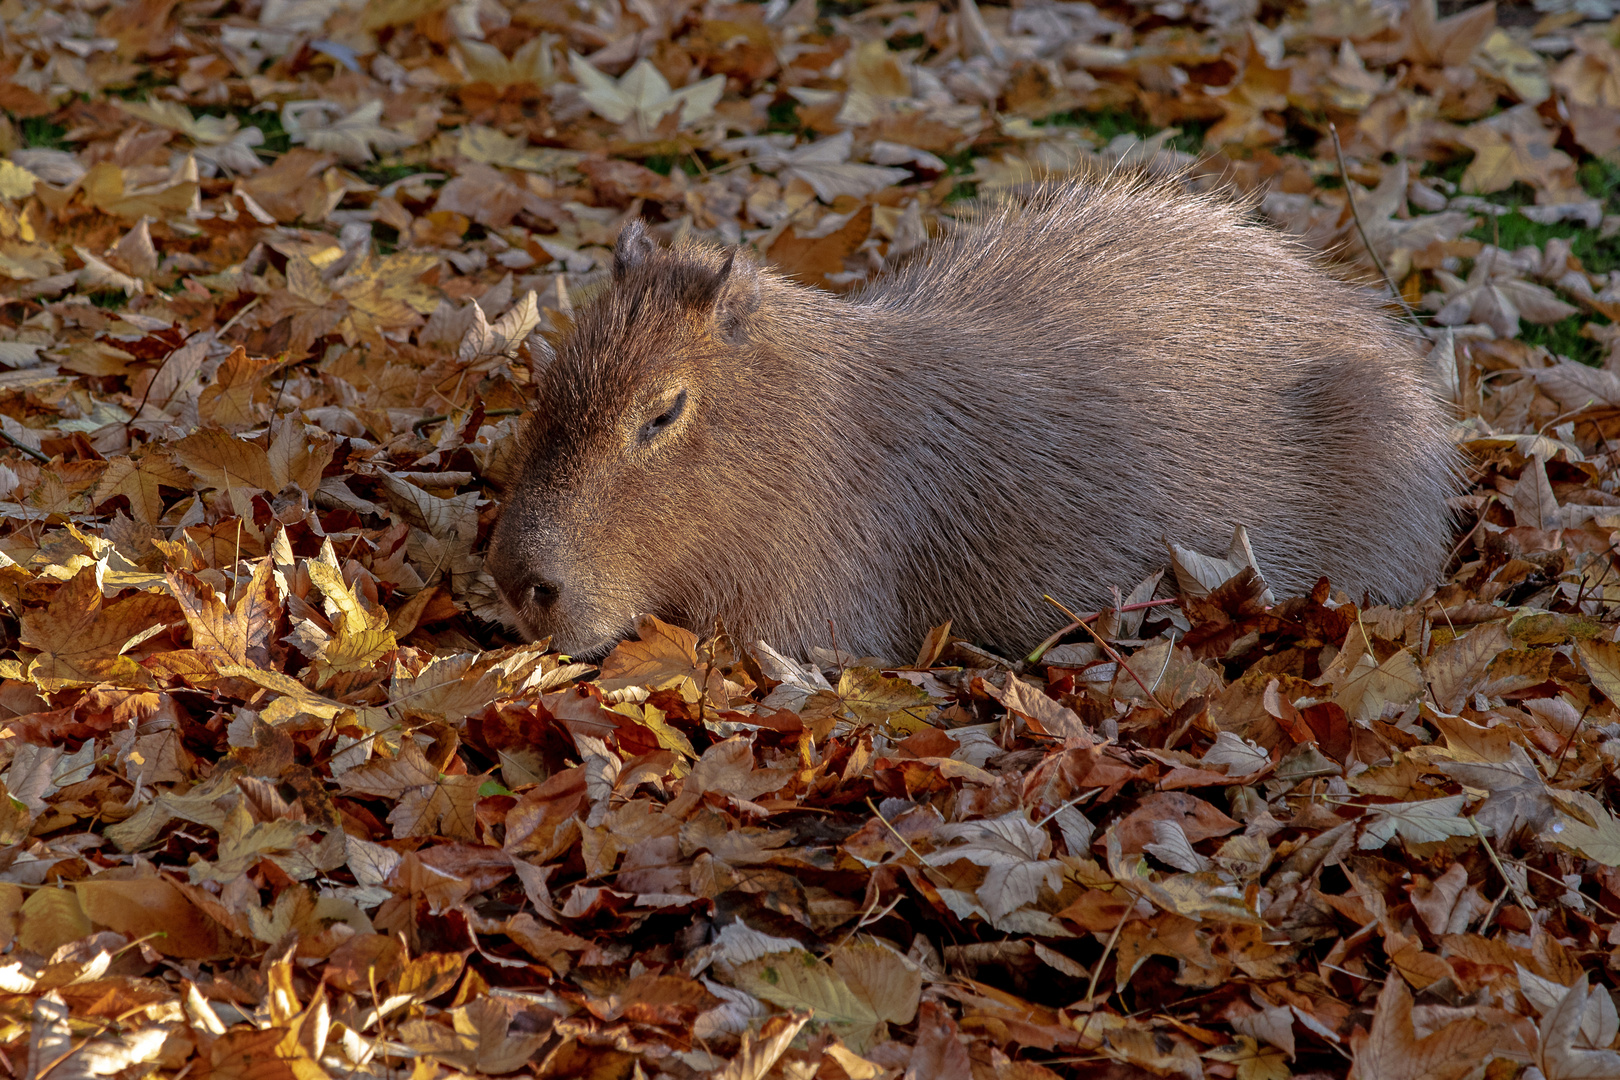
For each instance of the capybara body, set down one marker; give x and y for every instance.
(1033, 404)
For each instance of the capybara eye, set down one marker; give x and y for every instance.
(664, 419)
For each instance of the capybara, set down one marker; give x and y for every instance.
(1033, 403)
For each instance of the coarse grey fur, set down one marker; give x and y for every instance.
(1034, 404)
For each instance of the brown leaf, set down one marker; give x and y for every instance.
(82, 639)
(238, 635)
(1392, 1050)
(939, 1054)
(222, 461)
(809, 260)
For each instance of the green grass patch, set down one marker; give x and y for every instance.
(1512, 231)
(41, 133)
(783, 117)
(1563, 338)
(1109, 123)
(958, 165)
(140, 87)
(1104, 125)
(1601, 180)
(276, 139)
(383, 173)
(664, 164)
(1449, 171)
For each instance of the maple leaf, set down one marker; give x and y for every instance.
(1494, 296)
(385, 293)
(229, 635)
(243, 842)
(662, 656)
(82, 639)
(1515, 146)
(492, 147)
(426, 801)
(106, 188)
(1589, 79)
(870, 697)
(228, 400)
(481, 1042)
(306, 302)
(1519, 798)
(643, 97)
(1015, 855)
(352, 138)
(1393, 1051)
(361, 636)
(225, 462)
(484, 340)
(727, 767)
(531, 64)
(218, 138)
(1559, 1055)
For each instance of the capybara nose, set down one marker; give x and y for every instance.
(533, 591)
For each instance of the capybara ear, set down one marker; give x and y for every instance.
(632, 249)
(732, 292)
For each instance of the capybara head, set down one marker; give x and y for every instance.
(633, 439)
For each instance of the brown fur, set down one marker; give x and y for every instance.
(1034, 405)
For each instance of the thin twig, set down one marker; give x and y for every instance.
(24, 447)
(1096, 972)
(915, 853)
(232, 321)
(1040, 650)
(1485, 842)
(1350, 195)
(1569, 742)
(1109, 649)
(442, 417)
(1561, 883)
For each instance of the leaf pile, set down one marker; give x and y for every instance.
(285, 800)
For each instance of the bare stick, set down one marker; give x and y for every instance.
(1113, 655)
(1040, 650)
(1350, 194)
(24, 447)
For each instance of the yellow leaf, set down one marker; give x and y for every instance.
(49, 919)
(16, 182)
(797, 980)
(870, 697)
(386, 293)
(103, 188)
